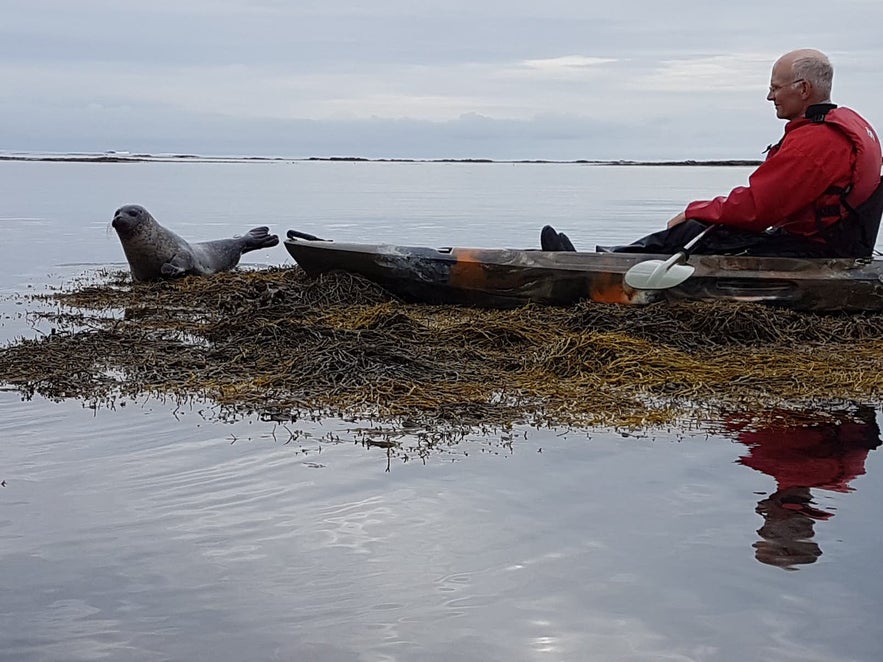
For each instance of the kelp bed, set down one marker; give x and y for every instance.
(280, 344)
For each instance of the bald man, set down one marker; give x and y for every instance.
(817, 194)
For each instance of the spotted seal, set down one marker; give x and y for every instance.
(154, 252)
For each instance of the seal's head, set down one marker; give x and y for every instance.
(147, 245)
(128, 219)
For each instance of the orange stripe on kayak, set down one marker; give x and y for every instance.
(608, 288)
(468, 271)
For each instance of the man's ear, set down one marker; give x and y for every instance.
(806, 89)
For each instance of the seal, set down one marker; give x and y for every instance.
(155, 252)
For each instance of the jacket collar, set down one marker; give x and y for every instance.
(817, 111)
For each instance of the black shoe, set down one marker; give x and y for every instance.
(552, 240)
(566, 244)
(549, 240)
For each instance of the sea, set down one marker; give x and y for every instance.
(155, 532)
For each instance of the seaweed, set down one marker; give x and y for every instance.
(279, 344)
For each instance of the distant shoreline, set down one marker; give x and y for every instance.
(114, 157)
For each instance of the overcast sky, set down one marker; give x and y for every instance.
(513, 79)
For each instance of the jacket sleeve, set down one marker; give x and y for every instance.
(788, 182)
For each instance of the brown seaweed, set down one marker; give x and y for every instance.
(280, 344)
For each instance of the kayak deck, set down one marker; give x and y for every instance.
(501, 278)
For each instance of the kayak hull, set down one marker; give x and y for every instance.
(505, 278)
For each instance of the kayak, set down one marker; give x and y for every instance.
(506, 278)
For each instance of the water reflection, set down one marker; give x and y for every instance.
(802, 455)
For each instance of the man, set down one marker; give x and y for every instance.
(811, 197)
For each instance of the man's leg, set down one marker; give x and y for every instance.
(667, 241)
(721, 241)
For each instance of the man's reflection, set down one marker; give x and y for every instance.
(799, 455)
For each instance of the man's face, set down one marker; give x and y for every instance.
(787, 92)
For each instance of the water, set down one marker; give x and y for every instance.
(150, 532)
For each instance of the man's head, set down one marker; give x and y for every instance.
(798, 80)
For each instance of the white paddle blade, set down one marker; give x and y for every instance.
(657, 275)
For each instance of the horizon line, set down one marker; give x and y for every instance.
(112, 156)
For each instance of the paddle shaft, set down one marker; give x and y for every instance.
(663, 274)
(690, 245)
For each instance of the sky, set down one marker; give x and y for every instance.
(513, 79)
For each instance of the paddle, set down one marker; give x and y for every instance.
(663, 274)
(294, 234)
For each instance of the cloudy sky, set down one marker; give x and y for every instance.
(502, 79)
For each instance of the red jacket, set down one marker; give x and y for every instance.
(799, 182)
(828, 457)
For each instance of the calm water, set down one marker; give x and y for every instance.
(154, 533)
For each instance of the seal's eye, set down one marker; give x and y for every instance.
(132, 213)
(117, 212)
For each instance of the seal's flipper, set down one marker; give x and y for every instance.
(181, 264)
(258, 238)
(172, 271)
(294, 234)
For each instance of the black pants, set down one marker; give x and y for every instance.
(723, 240)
